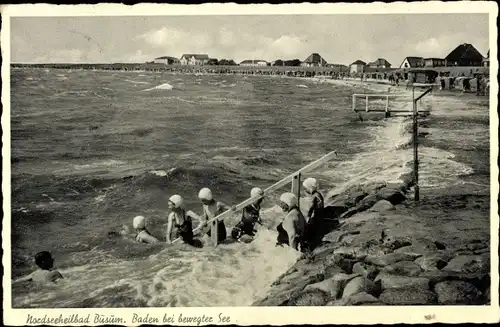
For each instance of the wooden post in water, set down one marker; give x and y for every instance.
(367, 103)
(354, 102)
(415, 146)
(214, 233)
(296, 187)
(387, 112)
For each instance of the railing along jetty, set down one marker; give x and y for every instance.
(294, 178)
(414, 113)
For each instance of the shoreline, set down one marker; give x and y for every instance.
(388, 250)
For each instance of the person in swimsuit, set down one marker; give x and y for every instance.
(211, 209)
(292, 227)
(142, 235)
(250, 216)
(314, 217)
(180, 222)
(45, 274)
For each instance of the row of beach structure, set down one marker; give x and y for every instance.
(464, 55)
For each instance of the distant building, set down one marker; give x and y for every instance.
(194, 59)
(253, 63)
(314, 60)
(379, 63)
(166, 60)
(357, 67)
(486, 61)
(465, 55)
(434, 62)
(412, 62)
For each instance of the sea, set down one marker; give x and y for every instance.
(92, 149)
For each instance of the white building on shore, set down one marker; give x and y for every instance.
(194, 59)
(254, 63)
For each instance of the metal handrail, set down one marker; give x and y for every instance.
(294, 178)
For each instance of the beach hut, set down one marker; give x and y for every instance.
(424, 76)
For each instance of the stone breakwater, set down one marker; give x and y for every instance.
(380, 249)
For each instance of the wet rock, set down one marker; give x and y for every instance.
(408, 179)
(361, 284)
(367, 202)
(354, 198)
(389, 281)
(417, 249)
(283, 293)
(403, 187)
(457, 292)
(310, 298)
(393, 240)
(468, 263)
(331, 271)
(389, 259)
(373, 187)
(353, 253)
(361, 298)
(392, 195)
(439, 245)
(349, 213)
(480, 280)
(332, 286)
(476, 246)
(433, 261)
(334, 212)
(365, 270)
(404, 268)
(382, 206)
(344, 263)
(408, 296)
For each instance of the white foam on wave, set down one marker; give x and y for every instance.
(303, 86)
(230, 275)
(164, 86)
(136, 82)
(99, 164)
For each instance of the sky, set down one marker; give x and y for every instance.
(337, 38)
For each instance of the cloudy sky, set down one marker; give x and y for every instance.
(338, 38)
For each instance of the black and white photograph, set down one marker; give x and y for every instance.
(258, 157)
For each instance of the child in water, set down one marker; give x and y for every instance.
(250, 216)
(45, 274)
(314, 215)
(179, 221)
(212, 209)
(142, 236)
(292, 227)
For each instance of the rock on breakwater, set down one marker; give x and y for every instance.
(382, 253)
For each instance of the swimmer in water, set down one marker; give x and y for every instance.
(292, 227)
(250, 216)
(45, 274)
(142, 235)
(314, 214)
(211, 209)
(180, 222)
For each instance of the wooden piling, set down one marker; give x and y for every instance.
(296, 187)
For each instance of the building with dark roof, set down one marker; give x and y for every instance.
(464, 55)
(314, 60)
(357, 67)
(379, 63)
(412, 62)
(434, 62)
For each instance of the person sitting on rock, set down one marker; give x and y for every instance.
(250, 216)
(292, 227)
(211, 209)
(180, 222)
(45, 274)
(142, 235)
(314, 216)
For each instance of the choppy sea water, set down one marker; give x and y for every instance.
(90, 150)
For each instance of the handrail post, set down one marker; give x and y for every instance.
(415, 147)
(367, 103)
(296, 187)
(214, 232)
